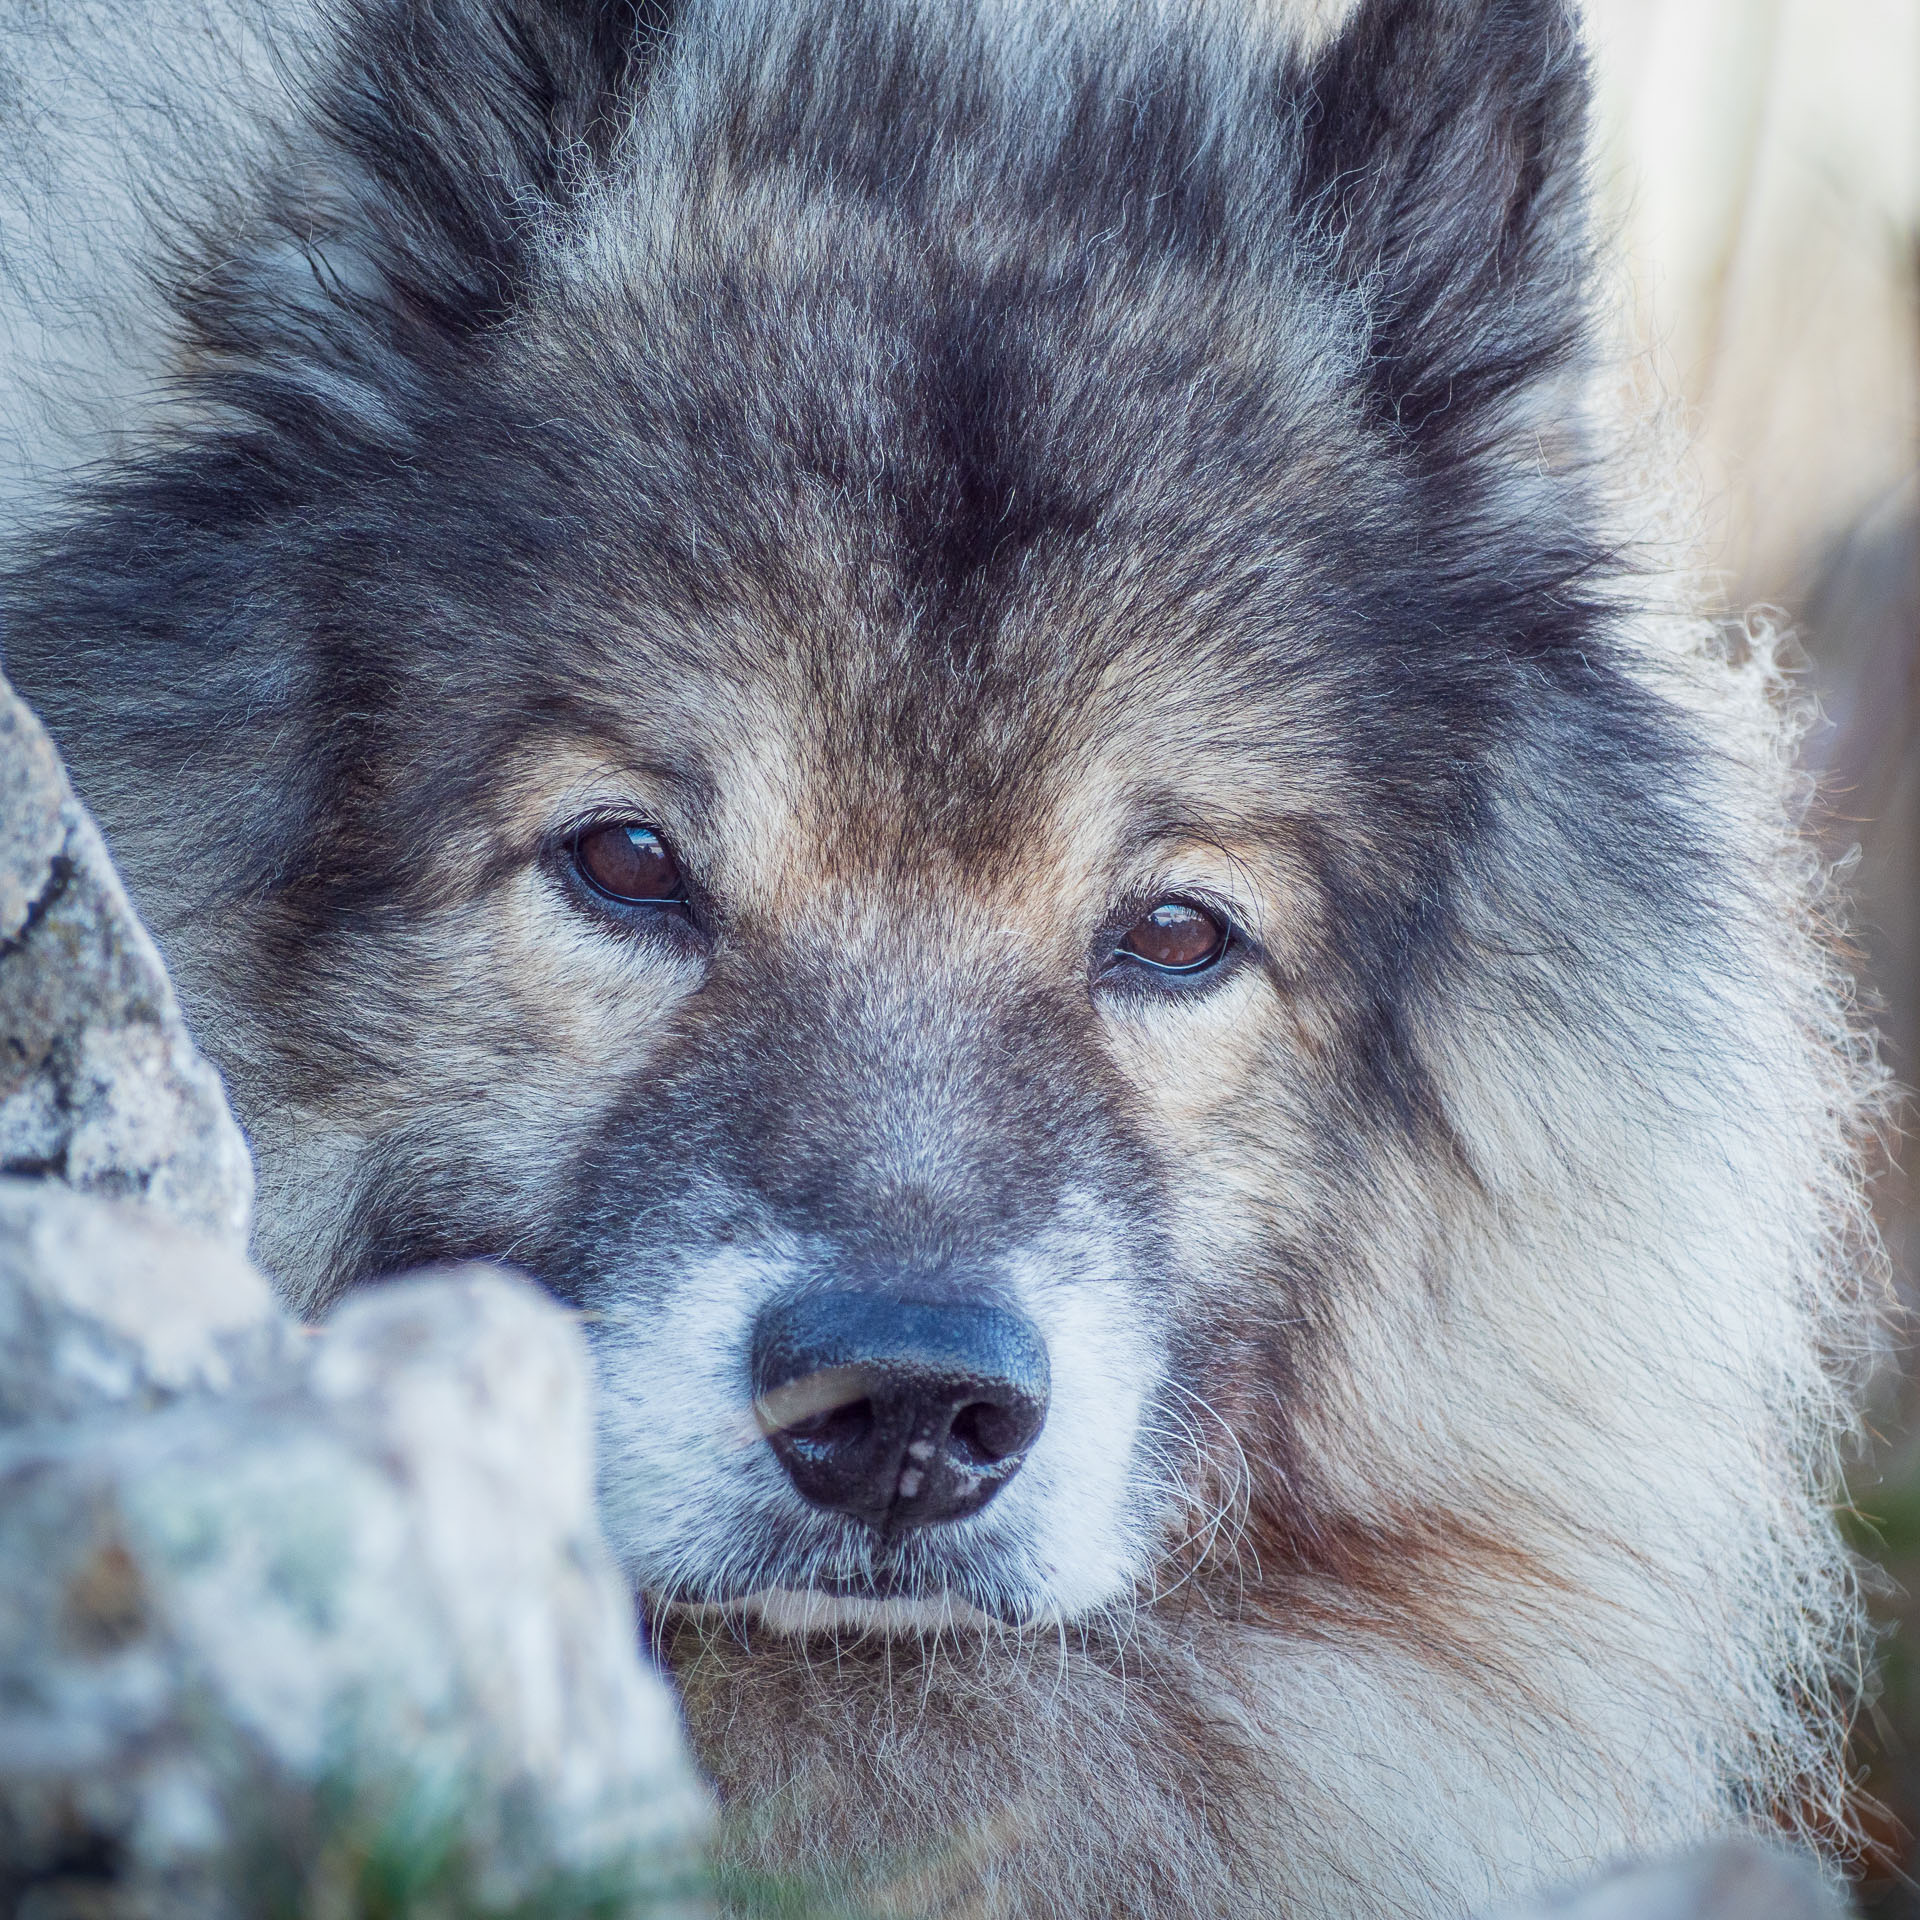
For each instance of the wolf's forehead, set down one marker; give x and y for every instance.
(845, 390)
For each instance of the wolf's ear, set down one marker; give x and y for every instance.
(1444, 158)
(428, 147)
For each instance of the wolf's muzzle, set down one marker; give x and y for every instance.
(898, 1412)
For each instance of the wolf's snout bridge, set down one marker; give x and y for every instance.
(898, 1412)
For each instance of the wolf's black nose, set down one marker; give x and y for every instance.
(899, 1412)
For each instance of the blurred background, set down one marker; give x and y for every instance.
(1760, 161)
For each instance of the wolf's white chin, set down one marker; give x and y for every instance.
(801, 1612)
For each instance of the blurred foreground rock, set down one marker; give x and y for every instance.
(1730, 1880)
(292, 1623)
(345, 1626)
(99, 1084)
(104, 1305)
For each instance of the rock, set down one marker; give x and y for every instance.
(346, 1627)
(107, 1306)
(99, 1084)
(1732, 1879)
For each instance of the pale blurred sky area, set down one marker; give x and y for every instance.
(1759, 160)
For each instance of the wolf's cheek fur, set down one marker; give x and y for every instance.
(488, 1036)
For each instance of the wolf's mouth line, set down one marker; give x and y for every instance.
(805, 1610)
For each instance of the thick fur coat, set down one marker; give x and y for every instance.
(960, 473)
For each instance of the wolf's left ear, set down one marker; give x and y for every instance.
(1443, 156)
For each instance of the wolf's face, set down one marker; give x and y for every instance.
(973, 1048)
(861, 724)
(876, 948)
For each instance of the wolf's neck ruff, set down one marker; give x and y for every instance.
(939, 703)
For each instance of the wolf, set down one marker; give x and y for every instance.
(967, 712)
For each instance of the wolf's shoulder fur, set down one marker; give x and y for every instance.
(950, 499)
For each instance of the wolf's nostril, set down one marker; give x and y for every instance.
(989, 1433)
(898, 1412)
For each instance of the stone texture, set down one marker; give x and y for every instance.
(264, 1651)
(104, 1305)
(99, 1084)
(1734, 1879)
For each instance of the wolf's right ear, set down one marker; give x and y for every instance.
(1443, 161)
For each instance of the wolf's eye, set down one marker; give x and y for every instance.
(629, 863)
(1175, 937)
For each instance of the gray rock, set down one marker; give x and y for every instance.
(108, 1306)
(99, 1084)
(1733, 1879)
(349, 1626)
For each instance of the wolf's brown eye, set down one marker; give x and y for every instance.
(629, 863)
(1176, 938)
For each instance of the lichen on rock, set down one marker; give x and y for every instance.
(100, 1085)
(107, 1305)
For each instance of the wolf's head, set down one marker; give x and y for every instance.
(924, 698)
